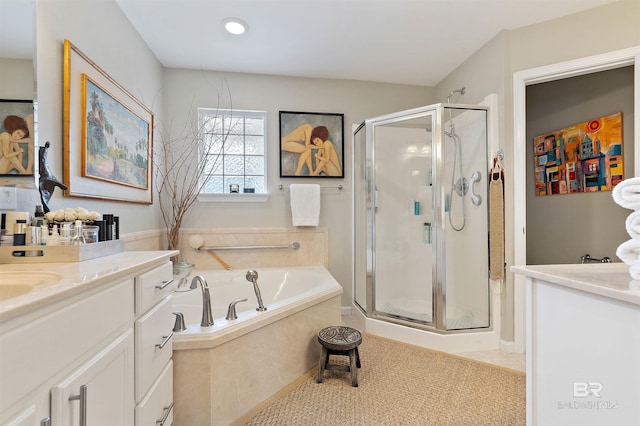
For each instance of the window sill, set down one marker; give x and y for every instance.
(233, 198)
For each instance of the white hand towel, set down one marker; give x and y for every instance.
(305, 204)
(629, 251)
(632, 224)
(627, 193)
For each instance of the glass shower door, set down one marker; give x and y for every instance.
(464, 185)
(403, 220)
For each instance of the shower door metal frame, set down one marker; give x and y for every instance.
(436, 286)
(438, 273)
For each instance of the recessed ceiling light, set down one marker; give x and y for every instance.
(235, 26)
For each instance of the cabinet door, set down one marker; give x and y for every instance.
(100, 392)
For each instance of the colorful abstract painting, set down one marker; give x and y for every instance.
(586, 157)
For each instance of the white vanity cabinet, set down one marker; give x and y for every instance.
(583, 342)
(68, 354)
(154, 347)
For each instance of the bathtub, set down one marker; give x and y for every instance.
(223, 372)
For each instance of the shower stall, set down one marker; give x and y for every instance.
(421, 224)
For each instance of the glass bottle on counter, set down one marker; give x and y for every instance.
(78, 237)
(65, 234)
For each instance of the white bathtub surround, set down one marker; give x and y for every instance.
(583, 342)
(223, 371)
(144, 240)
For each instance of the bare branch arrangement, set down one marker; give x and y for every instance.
(184, 164)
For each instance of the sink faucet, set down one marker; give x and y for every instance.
(252, 276)
(207, 317)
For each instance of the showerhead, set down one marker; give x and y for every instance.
(462, 90)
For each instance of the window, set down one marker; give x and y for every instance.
(233, 148)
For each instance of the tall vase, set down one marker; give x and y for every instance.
(181, 268)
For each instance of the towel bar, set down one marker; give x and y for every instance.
(339, 187)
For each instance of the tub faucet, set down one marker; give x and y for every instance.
(252, 276)
(207, 317)
(587, 258)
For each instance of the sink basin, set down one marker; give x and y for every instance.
(16, 283)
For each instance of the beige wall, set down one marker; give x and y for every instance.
(17, 79)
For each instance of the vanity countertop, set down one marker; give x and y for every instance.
(610, 280)
(76, 278)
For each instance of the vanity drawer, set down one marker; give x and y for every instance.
(153, 329)
(157, 406)
(153, 286)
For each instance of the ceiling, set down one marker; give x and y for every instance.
(394, 41)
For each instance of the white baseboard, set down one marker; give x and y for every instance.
(345, 310)
(507, 346)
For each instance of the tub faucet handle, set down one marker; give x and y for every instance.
(179, 325)
(231, 312)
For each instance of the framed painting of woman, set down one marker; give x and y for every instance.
(311, 144)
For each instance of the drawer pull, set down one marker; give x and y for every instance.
(46, 421)
(164, 285)
(82, 397)
(165, 341)
(165, 415)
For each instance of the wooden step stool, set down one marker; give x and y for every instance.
(339, 340)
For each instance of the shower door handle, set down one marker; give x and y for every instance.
(375, 199)
(475, 198)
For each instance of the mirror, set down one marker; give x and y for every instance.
(17, 67)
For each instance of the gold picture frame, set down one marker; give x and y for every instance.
(108, 135)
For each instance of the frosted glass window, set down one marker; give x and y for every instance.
(233, 149)
(254, 165)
